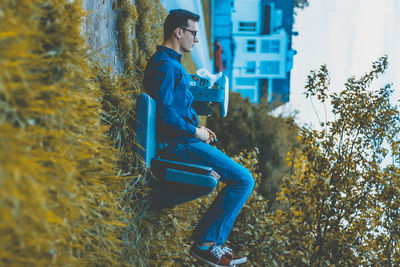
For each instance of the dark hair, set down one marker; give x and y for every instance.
(177, 18)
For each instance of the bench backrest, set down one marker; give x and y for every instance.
(146, 128)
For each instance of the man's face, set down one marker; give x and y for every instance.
(189, 36)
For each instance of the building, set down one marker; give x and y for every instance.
(256, 40)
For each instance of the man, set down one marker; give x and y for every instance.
(182, 139)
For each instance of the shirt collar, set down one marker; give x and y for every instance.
(172, 53)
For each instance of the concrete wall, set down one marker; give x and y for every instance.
(99, 27)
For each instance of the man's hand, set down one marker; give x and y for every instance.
(211, 133)
(204, 134)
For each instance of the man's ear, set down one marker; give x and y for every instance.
(178, 33)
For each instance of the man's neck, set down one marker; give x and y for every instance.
(172, 45)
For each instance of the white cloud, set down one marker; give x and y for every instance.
(347, 35)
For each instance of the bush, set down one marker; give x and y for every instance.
(342, 204)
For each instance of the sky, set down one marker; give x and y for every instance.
(347, 35)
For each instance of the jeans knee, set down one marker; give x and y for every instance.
(251, 182)
(247, 181)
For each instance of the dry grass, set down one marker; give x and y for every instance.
(59, 193)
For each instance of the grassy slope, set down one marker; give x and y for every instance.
(58, 190)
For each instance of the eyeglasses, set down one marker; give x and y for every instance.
(193, 32)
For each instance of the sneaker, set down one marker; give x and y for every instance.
(234, 258)
(214, 256)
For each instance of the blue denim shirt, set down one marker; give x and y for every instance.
(165, 80)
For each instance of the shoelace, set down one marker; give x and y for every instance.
(226, 250)
(217, 251)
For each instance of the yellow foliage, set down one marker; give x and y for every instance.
(58, 188)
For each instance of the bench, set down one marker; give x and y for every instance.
(168, 170)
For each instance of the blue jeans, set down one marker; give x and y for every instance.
(217, 223)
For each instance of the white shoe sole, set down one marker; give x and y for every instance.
(208, 262)
(239, 261)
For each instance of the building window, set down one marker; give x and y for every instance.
(251, 67)
(270, 46)
(247, 26)
(269, 67)
(251, 46)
